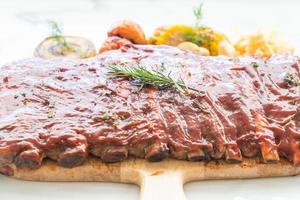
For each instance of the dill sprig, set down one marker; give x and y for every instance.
(196, 35)
(198, 13)
(56, 32)
(56, 29)
(143, 77)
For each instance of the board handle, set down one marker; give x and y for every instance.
(162, 185)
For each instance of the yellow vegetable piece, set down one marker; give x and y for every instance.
(189, 46)
(212, 39)
(263, 44)
(201, 36)
(157, 33)
(172, 35)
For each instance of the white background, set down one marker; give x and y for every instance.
(23, 24)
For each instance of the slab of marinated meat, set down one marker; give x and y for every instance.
(68, 110)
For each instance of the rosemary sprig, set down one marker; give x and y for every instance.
(292, 79)
(198, 13)
(144, 77)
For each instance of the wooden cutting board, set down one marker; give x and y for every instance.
(158, 181)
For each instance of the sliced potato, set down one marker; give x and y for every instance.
(128, 30)
(65, 46)
(189, 46)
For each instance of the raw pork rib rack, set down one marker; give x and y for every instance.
(67, 110)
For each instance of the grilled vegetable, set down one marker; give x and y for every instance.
(173, 35)
(128, 30)
(263, 44)
(201, 36)
(113, 43)
(65, 46)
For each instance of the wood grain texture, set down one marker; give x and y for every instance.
(161, 180)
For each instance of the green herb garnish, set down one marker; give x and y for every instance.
(292, 79)
(198, 13)
(193, 37)
(56, 32)
(198, 35)
(105, 116)
(144, 77)
(162, 67)
(254, 64)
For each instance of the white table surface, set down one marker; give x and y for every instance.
(23, 24)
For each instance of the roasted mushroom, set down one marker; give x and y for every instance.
(65, 46)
